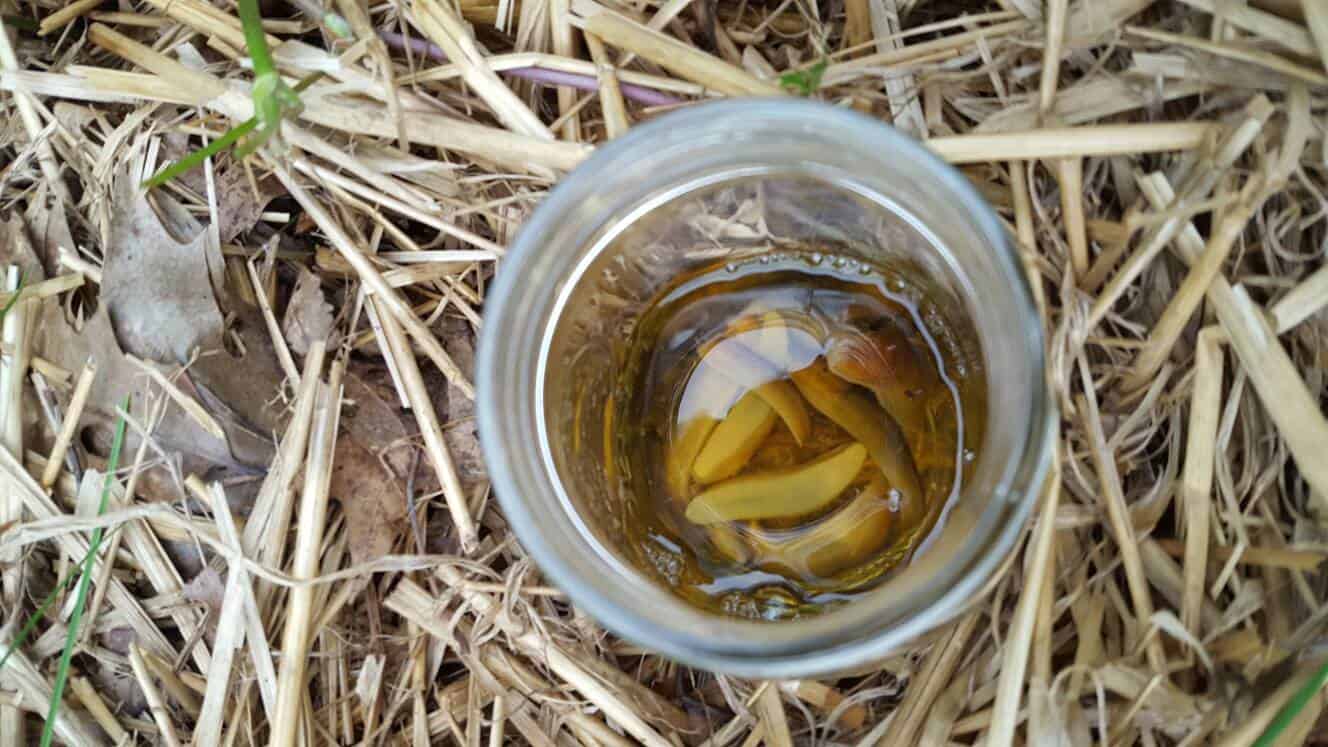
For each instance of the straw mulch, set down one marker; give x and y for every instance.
(277, 569)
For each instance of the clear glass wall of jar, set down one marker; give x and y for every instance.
(682, 191)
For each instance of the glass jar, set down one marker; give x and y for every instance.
(680, 192)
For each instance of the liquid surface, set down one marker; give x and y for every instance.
(786, 432)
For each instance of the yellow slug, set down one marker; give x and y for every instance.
(786, 492)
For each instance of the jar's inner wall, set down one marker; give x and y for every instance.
(819, 264)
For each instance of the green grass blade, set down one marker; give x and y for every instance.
(84, 582)
(196, 158)
(255, 39)
(805, 82)
(1293, 708)
(37, 616)
(18, 291)
(227, 139)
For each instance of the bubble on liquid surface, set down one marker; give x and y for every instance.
(667, 563)
(893, 500)
(740, 605)
(969, 455)
(731, 267)
(816, 258)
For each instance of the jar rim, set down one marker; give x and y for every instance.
(835, 640)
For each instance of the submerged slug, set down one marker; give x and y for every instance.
(691, 436)
(756, 360)
(845, 539)
(883, 361)
(867, 423)
(793, 491)
(784, 399)
(681, 456)
(788, 427)
(734, 440)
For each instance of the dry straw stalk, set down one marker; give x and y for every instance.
(1160, 163)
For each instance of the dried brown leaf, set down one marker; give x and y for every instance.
(208, 587)
(73, 117)
(239, 208)
(309, 316)
(372, 498)
(376, 420)
(48, 227)
(158, 290)
(16, 248)
(460, 429)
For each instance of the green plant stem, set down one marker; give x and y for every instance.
(191, 161)
(255, 38)
(18, 291)
(1293, 708)
(84, 582)
(273, 101)
(40, 613)
(225, 140)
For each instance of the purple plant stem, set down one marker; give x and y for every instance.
(637, 93)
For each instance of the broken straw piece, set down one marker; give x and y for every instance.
(787, 492)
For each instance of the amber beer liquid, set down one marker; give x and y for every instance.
(786, 430)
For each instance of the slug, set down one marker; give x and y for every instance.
(803, 489)
(867, 423)
(843, 540)
(883, 361)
